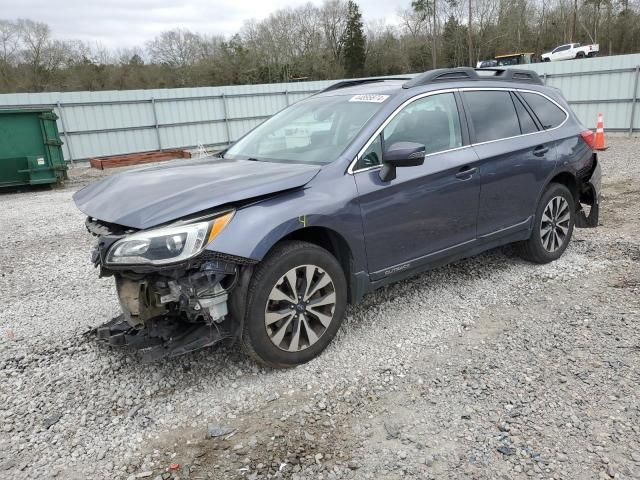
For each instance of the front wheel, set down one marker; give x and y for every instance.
(553, 226)
(296, 302)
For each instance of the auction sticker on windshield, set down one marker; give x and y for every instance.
(371, 98)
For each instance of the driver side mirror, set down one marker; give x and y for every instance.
(401, 154)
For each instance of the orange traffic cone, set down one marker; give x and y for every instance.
(600, 134)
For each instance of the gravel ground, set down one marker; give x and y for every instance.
(487, 368)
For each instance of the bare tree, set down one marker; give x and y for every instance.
(308, 42)
(412, 23)
(426, 9)
(8, 49)
(8, 41)
(333, 17)
(35, 39)
(175, 48)
(574, 21)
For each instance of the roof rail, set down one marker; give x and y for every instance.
(360, 81)
(468, 73)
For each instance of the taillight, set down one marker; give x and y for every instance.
(589, 138)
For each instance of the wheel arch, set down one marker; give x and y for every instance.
(564, 177)
(567, 179)
(330, 240)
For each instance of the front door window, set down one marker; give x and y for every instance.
(431, 121)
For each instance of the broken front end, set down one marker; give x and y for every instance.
(176, 296)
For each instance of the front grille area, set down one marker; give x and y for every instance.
(99, 228)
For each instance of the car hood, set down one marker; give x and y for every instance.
(151, 196)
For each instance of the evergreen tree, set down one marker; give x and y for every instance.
(451, 42)
(354, 42)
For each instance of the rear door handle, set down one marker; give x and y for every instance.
(540, 150)
(466, 172)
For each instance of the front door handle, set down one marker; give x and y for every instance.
(540, 150)
(466, 172)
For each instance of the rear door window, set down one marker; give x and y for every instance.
(527, 124)
(549, 114)
(493, 115)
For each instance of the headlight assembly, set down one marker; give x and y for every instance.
(166, 245)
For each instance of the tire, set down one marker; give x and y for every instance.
(548, 239)
(580, 55)
(546, 59)
(273, 342)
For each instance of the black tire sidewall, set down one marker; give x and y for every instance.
(554, 190)
(264, 279)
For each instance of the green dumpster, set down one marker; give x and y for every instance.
(30, 148)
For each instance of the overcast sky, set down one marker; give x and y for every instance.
(124, 23)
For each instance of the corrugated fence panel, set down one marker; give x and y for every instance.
(597, 85)
(85, 117)
(262, 106)
(183, 111)
(240, 127)
(197, 134)
(113, 143)
(114, 122)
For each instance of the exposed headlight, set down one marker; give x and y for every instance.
(165, 245)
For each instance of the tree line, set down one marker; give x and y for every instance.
(316, 43)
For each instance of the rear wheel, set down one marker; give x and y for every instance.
(553, 226)
(296, 302)
(580, 55)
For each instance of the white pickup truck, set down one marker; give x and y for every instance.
(570, 51)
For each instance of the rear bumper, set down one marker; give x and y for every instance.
(589, 194)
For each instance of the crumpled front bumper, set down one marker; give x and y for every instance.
(163, 338)
(170, 310)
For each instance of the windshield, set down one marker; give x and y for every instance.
(316, 130)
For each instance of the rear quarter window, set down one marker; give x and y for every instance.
(527, 124)
(548, 113)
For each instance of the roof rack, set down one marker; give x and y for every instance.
(360, 81)
(468, 73)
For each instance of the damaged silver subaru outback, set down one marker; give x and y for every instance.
(363, 184)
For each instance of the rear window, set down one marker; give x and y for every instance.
(549, 114)
(492, 114)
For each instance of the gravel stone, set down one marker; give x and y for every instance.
(219, 431)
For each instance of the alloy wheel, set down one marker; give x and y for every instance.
(555, 223)
(300, 308)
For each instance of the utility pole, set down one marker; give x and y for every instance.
(574, 21)
(470, 38)
(433, 42)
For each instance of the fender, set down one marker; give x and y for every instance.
(257, 227)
